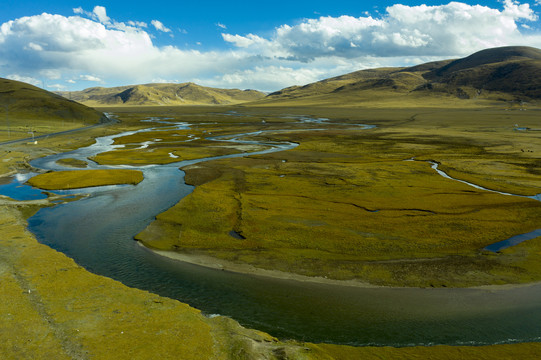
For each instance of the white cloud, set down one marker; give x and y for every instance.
(159, 26)
(245, 41)
(220, 25)
(101, 14)
(90, 78)
(34, 46)
(452, 29)
(163, 81)
(57, 87)
(139, 24)
(26, 79)
(266, 78)
(115, 53)
(51, 74)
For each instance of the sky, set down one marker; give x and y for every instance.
(65, 45)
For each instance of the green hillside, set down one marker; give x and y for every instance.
(510, 74)
(26, 109)
(162, 94)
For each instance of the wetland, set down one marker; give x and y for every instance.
(321, 197)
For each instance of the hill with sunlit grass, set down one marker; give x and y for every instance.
(162, 94)
(24, 102)
(510, 74)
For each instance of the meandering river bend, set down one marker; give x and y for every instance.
(97, 232)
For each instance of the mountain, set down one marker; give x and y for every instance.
(161, 94)
(27, 102)
(506, 73)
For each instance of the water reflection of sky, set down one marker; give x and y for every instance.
(17, 190)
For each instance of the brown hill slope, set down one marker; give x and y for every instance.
(26, 102)
(162, 94)
(507, 73)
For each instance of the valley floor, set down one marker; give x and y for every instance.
(52, 308)
(348, 202)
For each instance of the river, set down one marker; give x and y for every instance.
(97, 232)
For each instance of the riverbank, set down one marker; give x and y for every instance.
(247, 269)
(207, 261)
(344, 204)
(106, 320)
(51, 308)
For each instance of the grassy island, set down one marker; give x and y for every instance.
(65, 180)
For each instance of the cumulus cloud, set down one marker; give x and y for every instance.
(79, 45)
(56, 42)
(140, 24)
(159, 26)
(90, 78)
(99, 14)
(57, 87)
(34, 46)
(246, 41)
(266, 77)
(452, 29)
(26, 79)
(56, 46)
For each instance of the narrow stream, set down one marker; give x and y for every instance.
(504, 244)
(92, 232)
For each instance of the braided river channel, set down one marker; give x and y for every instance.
(98, 231)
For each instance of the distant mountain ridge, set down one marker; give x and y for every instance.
(506, 73)
(161, 94)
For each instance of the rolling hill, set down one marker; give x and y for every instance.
(161, 94)
(26, 102)
(506, 73)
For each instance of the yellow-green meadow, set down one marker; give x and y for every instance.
(346, 203)
(65, 180)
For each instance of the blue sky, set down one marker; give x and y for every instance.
(66, 45)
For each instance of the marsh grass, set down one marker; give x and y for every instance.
(345, 204)
(65, 180)
(71, 311)
(76, 163)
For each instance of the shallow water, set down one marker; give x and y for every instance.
(17, 190)
(512, 241)
(97, 231)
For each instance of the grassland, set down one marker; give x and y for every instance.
(161, 94)
(27, 111)
(66, 180)
(75, 163)
(52, 308)
(345, 204)
(501, 74)
(70, 313)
